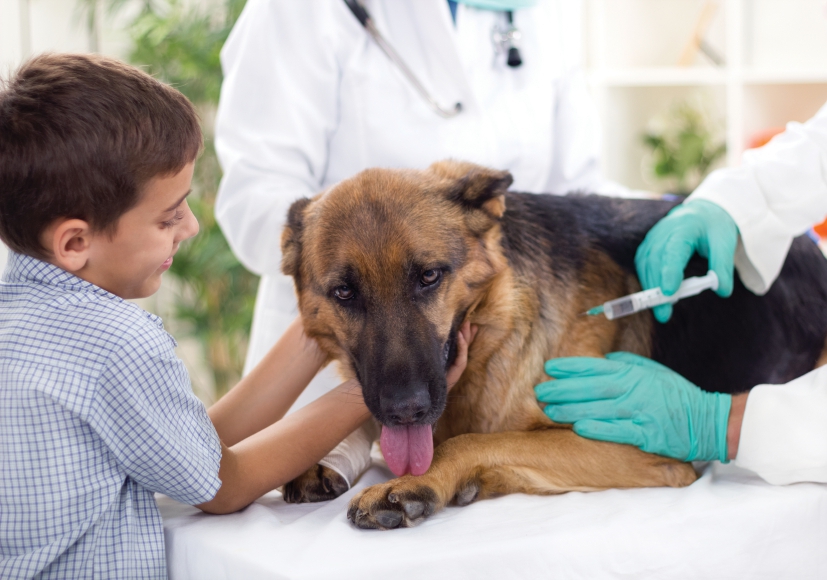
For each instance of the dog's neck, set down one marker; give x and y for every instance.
(509, 349)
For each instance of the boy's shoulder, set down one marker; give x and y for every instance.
(51, 317)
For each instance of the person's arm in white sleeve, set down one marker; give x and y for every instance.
(780, 431)
(778, 193)
(277, 109)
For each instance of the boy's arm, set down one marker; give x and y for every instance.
(286, 449)
(264, 396)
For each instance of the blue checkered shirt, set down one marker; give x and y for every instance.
(96, 414)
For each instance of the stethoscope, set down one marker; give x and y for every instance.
(506, 40)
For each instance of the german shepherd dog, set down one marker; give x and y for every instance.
(390, 263)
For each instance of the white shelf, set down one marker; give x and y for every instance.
(774, 71)
(758, 77)
(658, 77)
(699, 76)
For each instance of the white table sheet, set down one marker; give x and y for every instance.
(728, 524)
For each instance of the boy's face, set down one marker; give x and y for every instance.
(130, 263)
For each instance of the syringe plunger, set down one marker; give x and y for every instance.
(638, 301)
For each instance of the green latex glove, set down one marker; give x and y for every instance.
(695, 226)
(634, 400)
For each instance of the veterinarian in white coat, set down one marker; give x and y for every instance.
(748, 216)
(309, 99)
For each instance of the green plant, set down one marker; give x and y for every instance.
(180, 44)
(684, 149)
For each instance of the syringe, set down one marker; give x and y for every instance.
(654, 297)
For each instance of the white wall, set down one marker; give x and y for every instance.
(642, 33)
(11, 26)
(786, 34)
(29, 27)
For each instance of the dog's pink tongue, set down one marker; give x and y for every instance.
(408, 449)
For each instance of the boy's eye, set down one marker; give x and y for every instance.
(179, 215)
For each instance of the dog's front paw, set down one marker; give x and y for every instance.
(319, 483)
(399, 503)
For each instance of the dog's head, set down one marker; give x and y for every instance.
(386, 266)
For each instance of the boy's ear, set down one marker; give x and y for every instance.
(474, 186)
(68, 242)
(291, 239)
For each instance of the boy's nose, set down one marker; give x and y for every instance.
(189, 227)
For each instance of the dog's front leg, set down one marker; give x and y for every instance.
(338, 471)
(479, 466)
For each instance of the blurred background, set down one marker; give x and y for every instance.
(682, 87)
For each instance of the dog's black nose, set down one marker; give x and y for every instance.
(406, 410)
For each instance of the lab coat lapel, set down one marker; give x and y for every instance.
(446, 73)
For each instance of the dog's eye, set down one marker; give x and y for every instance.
(430, 277)
(343, 292)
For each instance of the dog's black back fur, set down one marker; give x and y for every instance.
(727, 345)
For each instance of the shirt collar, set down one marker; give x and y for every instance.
(23, 269)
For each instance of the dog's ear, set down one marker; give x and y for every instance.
(291, 239)
(475, 186)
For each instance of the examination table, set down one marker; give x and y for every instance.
(729, 524)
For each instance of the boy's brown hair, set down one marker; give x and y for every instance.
(80, 136)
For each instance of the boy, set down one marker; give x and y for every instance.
(96, 411)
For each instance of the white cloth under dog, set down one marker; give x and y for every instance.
(729, 524)
(778, 193)
(308, 100)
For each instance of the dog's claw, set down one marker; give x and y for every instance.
(408, 504)
(319, 483)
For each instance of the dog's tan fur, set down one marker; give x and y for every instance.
(492, 438)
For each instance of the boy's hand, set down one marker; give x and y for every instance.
(464, 338)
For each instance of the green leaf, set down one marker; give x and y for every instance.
(683, 153)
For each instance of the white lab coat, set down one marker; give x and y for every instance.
(309, 99)
(778, 193)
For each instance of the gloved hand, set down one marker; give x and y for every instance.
(634, 400)
(695, 226)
